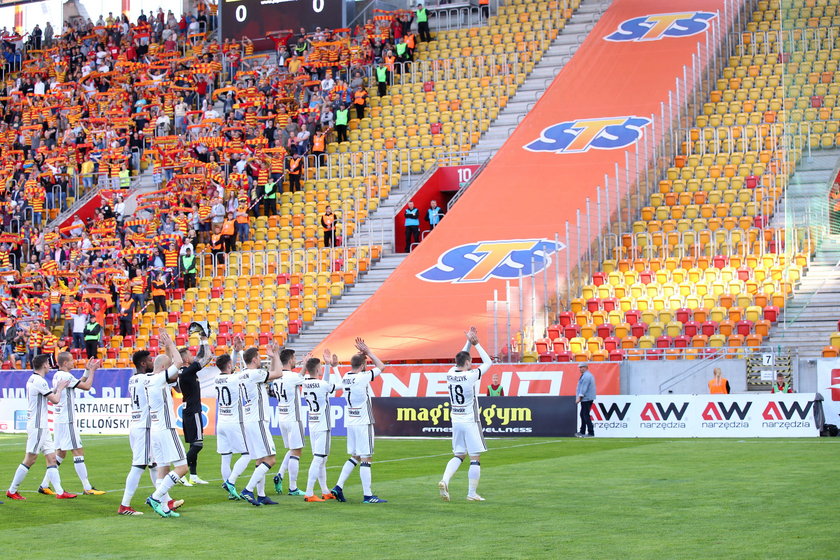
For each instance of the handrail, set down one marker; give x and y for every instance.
(414, 186)
(690, 372)
(463, 188)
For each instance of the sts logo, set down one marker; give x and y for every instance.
(661, 26)
(572, 137)
(479, 262)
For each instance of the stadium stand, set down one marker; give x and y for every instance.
(702, 272)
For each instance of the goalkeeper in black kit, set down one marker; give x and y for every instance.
(190, 388)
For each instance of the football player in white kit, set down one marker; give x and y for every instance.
(359, 421)
(230, 432)
(139, 436)
(67, 436)
(317, 391)
(467, 433)
(38, 437)
(253, 385)
(287, 391)
(166, 445)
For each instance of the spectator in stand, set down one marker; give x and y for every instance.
(328, 223)
(782, 385)
(127, 305)
(585, 397)
(293, 170)
(423, 23)
(495, 388)
(188, 266)
(159, 285)
(434, 214)
(92, 336)
(412, 225)
(360, 102)
(718, 385)
(382, 79)
(80, 319)
(341, 120)
(319, 146)
(229, 233)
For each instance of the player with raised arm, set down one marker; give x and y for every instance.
(67, 436)
(230, 431)
(139, 436)
(166, 445)
(287, 391)
(359, 422)
(317, 388)
(467, 433)
(38, 437)
(253, 384)
(190, 387)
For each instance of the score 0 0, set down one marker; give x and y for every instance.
(241, 12)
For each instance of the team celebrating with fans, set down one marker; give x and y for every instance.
(243, 387)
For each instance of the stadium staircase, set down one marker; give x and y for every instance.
(810, 318)
(379, 227)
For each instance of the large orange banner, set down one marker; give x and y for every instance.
(600, 106)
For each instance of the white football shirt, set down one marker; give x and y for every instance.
(229, 399)
(254, 391)
(64, 411)
(139, 401)
(355, 387)
(287, 391)
(37, 391)
(317, 394)
(159, 393)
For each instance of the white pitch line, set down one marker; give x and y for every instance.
(419, 457)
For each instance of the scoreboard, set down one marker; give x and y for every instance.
(255, 18)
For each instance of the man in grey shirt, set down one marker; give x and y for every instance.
(585, 397)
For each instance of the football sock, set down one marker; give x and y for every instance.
(284, 466)
(364, 474)
(55, 479)
(346, 470)
(259, 472)
(226, 465)
(153, 474)
(294, 468)
(166, 497)
(192, 456)
(162, 492)
(81, 470)
(314, 473)
(20, 474)
(322, 476)
(451, 468)
(132, 481)
(474, 475)
(46, 481)
(261, 487)
(238, 468)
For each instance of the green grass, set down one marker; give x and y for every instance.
(545, 499)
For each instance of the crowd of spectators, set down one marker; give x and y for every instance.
(221, 128)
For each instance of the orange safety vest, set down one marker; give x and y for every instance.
(216, 242)
(125, 304)
(227, 227)
(327, 220)
(409, 40)
(718, 387)
(158, 288)
(318, 143)
(359, 97)
(294, 166)
(389, 62)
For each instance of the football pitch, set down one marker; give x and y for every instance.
(546, 498)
